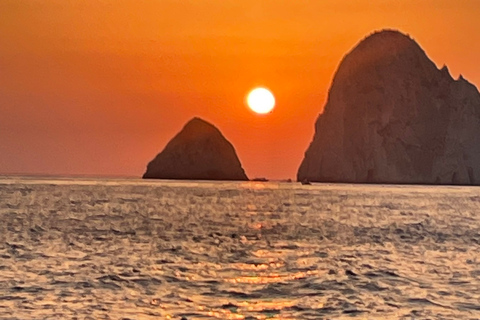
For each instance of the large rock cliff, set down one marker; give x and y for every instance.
(198, 152)
(393, 117)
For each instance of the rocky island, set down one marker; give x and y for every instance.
(393, 117)
(198, 152)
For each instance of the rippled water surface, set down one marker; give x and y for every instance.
(129, 249)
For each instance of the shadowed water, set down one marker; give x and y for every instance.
(113, 249)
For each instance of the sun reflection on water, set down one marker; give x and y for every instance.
(209, 251)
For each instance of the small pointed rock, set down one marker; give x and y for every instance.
(198, 152)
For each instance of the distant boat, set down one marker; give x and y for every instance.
(260, 179)
(306, 182)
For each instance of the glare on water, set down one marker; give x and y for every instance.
(128, 249)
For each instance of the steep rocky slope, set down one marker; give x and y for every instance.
(393, 117)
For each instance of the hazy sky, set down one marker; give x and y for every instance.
(98, 87)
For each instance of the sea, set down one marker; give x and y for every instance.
(137, 249)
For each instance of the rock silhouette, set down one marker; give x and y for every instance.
(393, 117)
(198, 152)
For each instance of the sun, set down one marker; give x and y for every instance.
(261, 100)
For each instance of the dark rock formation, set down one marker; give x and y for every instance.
(198, 152)
(393, 117)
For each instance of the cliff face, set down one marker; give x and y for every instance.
(393, 117)
(198, 152)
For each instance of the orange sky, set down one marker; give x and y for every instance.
(98, 87)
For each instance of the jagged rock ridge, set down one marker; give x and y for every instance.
(393, 117)
(198, 152)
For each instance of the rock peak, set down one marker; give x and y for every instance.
(198, 122)
(383, 47)
(387, 36)
(197, 127)
(387, 41)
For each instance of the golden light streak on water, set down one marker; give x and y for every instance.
(209, 250)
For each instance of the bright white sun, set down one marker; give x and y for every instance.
(261, 100)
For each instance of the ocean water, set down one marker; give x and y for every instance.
(131, 249)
